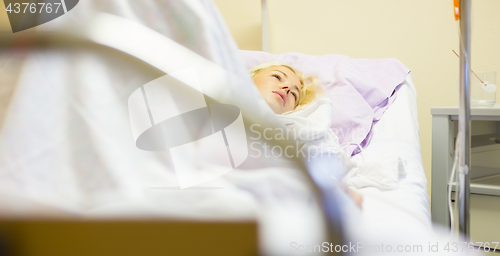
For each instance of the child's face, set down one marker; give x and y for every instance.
(280, 88)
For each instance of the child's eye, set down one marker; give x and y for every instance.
(295, 96)
(277, 77)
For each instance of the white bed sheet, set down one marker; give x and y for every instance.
(397, 135)
(400, 218)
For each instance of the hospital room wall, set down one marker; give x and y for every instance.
(421, 34)
(4, 22)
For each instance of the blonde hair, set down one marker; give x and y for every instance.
(310, 90)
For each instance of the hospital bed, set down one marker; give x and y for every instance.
(240, 200)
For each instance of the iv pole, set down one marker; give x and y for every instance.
(464, 122)
(265, 26)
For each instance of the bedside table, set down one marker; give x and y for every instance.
(485, 163)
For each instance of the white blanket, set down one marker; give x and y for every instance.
(311, 127)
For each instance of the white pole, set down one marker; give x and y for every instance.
(265, 26)
(464, 122)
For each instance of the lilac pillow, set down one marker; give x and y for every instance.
(360, 89)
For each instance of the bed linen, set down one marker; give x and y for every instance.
(401, 215)
(396, 135)
(359, 89)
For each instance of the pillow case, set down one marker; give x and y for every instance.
(359, 89)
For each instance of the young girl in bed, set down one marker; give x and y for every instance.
(297, 101)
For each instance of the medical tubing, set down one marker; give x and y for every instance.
(452, 182)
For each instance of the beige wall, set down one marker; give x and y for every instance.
(4, 22)
(244, 20)
(421, 34)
